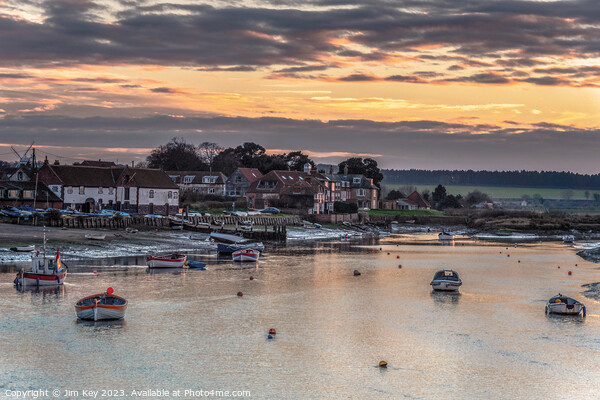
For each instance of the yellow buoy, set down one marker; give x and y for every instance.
(383, 364)
(557, 301)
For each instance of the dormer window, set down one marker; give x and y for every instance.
(356, 180)
(188, 178)
(209, 179)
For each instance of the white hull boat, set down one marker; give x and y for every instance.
(95, 236)
(564, 305)
(23, 249)
(101, 307)
(248, 255)
(168, 261)
(446, 280)
(44, 271)
(446, 236)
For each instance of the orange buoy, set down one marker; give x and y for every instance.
(240, 294)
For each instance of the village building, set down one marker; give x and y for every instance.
(92, 189)
(21, 193)
(239, 181)
(17, 174)
(201, 182)
(355, 188)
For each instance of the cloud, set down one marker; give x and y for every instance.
(403, 144)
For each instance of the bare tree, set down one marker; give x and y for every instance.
(208, 151)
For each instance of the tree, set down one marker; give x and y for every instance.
(476, 197)
(567, 194)
(296, 160)
(367, 167)
(208, 152)
(587, 194)
(177, 155)
(394, 195)
(438, 194)
(426, 194)
(226, 161)
(249, 154)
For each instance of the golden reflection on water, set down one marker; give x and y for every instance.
(188, 329)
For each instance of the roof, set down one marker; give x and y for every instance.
(99, 163)
(80, 175)
(364, 181)
(286, 182)
(416, 198)
(251, 174)
(43, 192)
(198, 175)
(144, 177)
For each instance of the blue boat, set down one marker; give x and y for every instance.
(231, 248)
(196, 264)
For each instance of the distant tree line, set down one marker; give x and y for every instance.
(539, 179)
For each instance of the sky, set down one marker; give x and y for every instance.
(437, 84)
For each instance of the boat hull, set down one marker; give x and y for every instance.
(100, 307)
(564, 309)
(154, 262)
(445, 236)
(246, 255)
(446, 286)
(29, 279)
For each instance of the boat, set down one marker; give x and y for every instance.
(44, 271)
(96, 236)
(446, 280)
(175, 260)
(568, 239)
(246, 228)
(177, 227)
(246, 255)
(101, 307)
(195, 264)
(226, 238)
(23, 249)
(561, 304)
(223, 248)
(446, 236)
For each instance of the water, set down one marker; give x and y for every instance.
(189, 330)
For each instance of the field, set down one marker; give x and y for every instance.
(498, 192)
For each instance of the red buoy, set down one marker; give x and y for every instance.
(559, 267)
(240, 294)
(109, 291)
(380, 249)
(251, 278)
(95, 272)
(397, 256)
(272, 331)
(575, 264)
(519, 261)
(508, 255)
(400, 266)
(388, 254)
(569, 272)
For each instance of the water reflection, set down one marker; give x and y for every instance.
(564, 319)
(445, 298)
(165, 271)
(101, 327)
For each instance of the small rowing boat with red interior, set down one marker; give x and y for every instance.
(100, 307)
(175, 260)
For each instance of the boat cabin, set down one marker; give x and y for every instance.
(447, 275)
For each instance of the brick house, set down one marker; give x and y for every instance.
(20, 193)
(237, 184)
(201, 182)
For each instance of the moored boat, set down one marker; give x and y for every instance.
(446, 280)
(96, 236)
(23, 249)
(44, 271)
(195, 264)
(175, 260)
(100, 307)
(246, 255)
(226, 238)
(446, 236)
(230, 248)
(561, 304)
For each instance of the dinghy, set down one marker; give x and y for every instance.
(101, 307)
(446, 236)
(175, 260)
(561, 304)
(23, 249)
(96, 236)
(196, 265)
(230, 248)
(246, 255)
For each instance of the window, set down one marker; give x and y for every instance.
(188, 178)
(110, 191)
(174, 178)
(20, 176)
(126, 193)
(361, 192)
(170, 195)
(209, 179)
(100, 191)
(211, 190)
(81, 190)
(356, 180)
(238, 179)
(151, 194)
(55, 189)
(13, 194)
(28, 194)
(175, 195)
(70, 189)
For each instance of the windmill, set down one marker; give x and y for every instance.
(23, 159)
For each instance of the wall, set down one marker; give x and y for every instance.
(89, 192)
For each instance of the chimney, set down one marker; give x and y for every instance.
(132, 164)
(56, 162)
(346, 169)
(46, 161)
